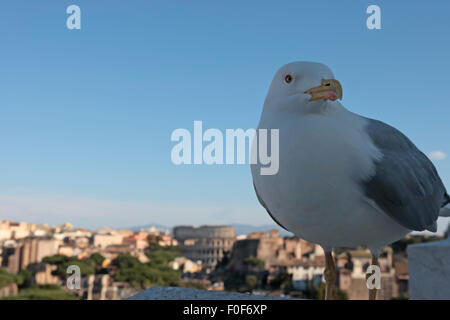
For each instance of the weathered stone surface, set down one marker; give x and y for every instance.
(429, 270)
(174, 293)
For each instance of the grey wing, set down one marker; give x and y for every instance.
(267, 209)
(406, 185)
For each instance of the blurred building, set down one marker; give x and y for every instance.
(9, 290)
(166, 240)
(401, 273)
(43, 273)
(102, 287)
(207, 244)
(271, 248)
(307, 269)
(14, 230)
(104, 240)
(137, 240)
(17, 255)
(185, 265)
(352, 266)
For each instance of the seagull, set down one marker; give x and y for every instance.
(344, 180)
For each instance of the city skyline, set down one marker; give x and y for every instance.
(46, 261)
(87, 114)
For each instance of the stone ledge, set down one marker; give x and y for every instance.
(175, 293)
(429, 270)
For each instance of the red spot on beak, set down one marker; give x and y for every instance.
(332, 95)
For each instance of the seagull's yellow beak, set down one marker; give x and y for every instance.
(329, 89)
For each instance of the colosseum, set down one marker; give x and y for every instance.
(205, 243)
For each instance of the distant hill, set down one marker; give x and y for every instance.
(147, 226)
(238, 228)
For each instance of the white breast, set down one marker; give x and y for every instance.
(316, 193)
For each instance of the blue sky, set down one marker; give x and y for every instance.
(86, 115)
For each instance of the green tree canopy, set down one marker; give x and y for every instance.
(254, 262)
(44, 292)
(6, 278)
(95, 260)
(63, 262)
(251, 281)
(142, 275)
(281, 281)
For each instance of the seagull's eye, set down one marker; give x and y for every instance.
(288, 78)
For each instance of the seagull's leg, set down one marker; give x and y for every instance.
(329, 275)
(373, 292)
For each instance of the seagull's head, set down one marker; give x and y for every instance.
(313, 82)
